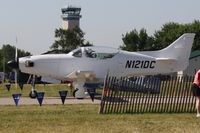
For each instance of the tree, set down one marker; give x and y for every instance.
(67, 40)
(134, 41)
(140, 41)
(171, 31)
(7, 52)
(194, 28)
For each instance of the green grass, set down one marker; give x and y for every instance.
(51, 90)
(84, 118)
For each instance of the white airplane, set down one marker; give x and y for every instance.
(92, 64)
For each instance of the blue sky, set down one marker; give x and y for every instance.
(33, 22)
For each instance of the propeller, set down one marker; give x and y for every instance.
(15, 65)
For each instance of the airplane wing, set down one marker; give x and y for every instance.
(79, 79)
(87, 76)
(50, 80)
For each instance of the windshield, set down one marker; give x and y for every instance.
(77, 53)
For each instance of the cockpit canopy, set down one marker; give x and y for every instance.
(95, 52)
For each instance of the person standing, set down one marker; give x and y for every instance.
(196, 91)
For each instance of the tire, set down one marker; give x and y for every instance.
(74, 92)
(33, 94)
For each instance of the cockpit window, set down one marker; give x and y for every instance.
(90, 53)
(105, 55)
(100, 53)
(77, 53)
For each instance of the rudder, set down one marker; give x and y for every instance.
(179, 50)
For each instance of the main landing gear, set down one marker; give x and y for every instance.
(79, 91)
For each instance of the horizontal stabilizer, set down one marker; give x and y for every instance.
(166, 60)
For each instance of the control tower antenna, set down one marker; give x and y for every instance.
(70, 16)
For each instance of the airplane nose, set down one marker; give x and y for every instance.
(13, 64)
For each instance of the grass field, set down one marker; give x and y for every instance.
(51, 90)
(84, 118)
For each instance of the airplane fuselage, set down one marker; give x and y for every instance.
(58, 66)
(83, 64)
(104, 61)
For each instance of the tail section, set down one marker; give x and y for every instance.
(171, 59)
(179, 50)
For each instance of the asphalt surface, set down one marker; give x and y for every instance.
(47, 101)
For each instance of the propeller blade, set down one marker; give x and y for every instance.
(16, 71)
(16, 54)
(14, 63)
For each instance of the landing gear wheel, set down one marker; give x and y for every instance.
(33, 94)
(74, 92)
(78, 93)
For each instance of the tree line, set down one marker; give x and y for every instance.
(169, 32)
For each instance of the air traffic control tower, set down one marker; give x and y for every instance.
(70, 16)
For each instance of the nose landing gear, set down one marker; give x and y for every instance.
(33, 92)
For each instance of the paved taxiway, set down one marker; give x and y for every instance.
(47, 101)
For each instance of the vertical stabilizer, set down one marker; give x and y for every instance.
(179, 50)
